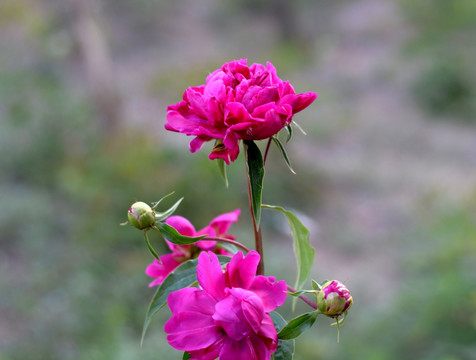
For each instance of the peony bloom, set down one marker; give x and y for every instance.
(237, 102)
(334, 299)
(227, 317)
(218, 227)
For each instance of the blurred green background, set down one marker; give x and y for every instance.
(386, 176)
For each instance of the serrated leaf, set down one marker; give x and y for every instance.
(283, 152)
(222, 170)
(171, 234)
(303, 250)
(297, 326)
(164, 215)
(183, 276)
(255, 171)
(285, 350)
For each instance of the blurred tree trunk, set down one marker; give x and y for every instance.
(98, 64)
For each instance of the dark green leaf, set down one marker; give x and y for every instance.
(255, 170)
(169, 233)
(222, 169)
(183, 276)
(186, 356)
(303, 250)
(285, 350)
(283, 152)
(164, 215)
(298, 325)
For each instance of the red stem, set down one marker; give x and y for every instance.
(233, 242)
(303, 298)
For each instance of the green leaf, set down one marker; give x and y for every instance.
(285, 350)
(303, 250)
(164, 215)
(186, 356)
(297, 326)
(149, 246)
(183, 276)
(222, 169)
(289, 129)
(299, 127)
(283, 152)
(169, 233)
(315, 285)
(255, 170)
(155, 204)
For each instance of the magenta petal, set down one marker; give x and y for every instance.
(209, 353)
(223, 222)
(190, 330)
(300, 101)
(160, 270)
(196, 144)
(268, 333)
(210, 275)
(251, 305)
(271, 293)
(178, 122)
(182, 225)
(238, 350)
(229, 316)
(191, 299)
(241, 271)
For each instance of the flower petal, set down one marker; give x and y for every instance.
(210, 275)
(182, 225)
(160, 270)
(240, 271)
(272, 293)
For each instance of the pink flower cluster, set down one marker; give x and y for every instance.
(218, 227)
(227, 317)
(237, 102)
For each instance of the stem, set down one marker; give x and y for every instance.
(256, 228)
(229, 241)
(303, 298)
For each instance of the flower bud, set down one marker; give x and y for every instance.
(141, 215)
(334, 299)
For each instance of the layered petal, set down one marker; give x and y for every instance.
(210, 275)
(240, 271)
(161, 269)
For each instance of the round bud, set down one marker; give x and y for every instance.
(141, 215)
(334, 299)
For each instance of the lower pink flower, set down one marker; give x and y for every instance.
(227, 317)
(218, 227)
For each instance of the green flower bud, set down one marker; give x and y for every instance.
(334, 299)
(141, 215)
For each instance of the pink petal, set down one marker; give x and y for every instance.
(223, 222)
(271, 293)
(177, 122)
(191, 299)
(268, 334)
(210, 275)
(161, 270)
(182, 225)
(240, 271)
(299, 102)
(188, 331)
(209, 353)
(239, 350)
(229, 316)
(252, 307)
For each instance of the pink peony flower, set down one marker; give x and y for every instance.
(227, 317)
(218, 227)
(237, 102)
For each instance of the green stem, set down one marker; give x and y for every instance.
(151, 249)
(256, 227)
